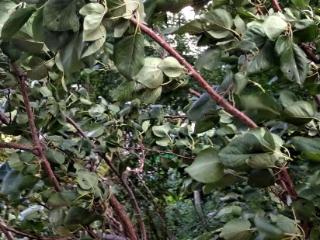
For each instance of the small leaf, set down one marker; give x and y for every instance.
(206, 168)
(236, 229)
(171, 67)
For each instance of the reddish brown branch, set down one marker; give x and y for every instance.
(192, 72)
(17, 146)
(310, 52)
(123, 217)
(22, 78)
(276, 6)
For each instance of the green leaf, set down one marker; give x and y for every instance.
(261, 178)
(134, 6)
(206, 168)
(61, 15)
(129, 55)
(269, 230)
(273, 26)
(87, 180)
(240, 80)
(293, 60)
(69, 58)
(309, 147)
(55, 156)
(301, 4)
(192, 27)
(171, 67)
(261, 105)
(306, 30)
(220, 23)
(79, 216)
(6, 8)
(301, 112)
(94, 13)
(14, 182)
(15, 21)
(100, 39)
(161, 131)
(150, 74)
(236, 229)
(251, 144)
(263, 60)
(150, 96)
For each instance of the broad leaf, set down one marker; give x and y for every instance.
(309, 147)
(171, 67)
(206, 168)
(236, 229)
(15, 21)
(150, 75)
(129, 55)
(293, 61)
(61, 15)
(256, 143)
(273, 26)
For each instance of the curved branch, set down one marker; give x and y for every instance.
(192, 72)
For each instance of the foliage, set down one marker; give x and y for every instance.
(114, 118)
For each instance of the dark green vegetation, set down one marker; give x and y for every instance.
(107, 136)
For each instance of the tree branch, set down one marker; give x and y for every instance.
(192, 72)
(22, 78)
(276, 6)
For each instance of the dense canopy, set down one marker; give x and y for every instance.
(181, 119)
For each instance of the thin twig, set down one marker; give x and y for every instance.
(22, 78)
(194, 92)
(17, 146)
